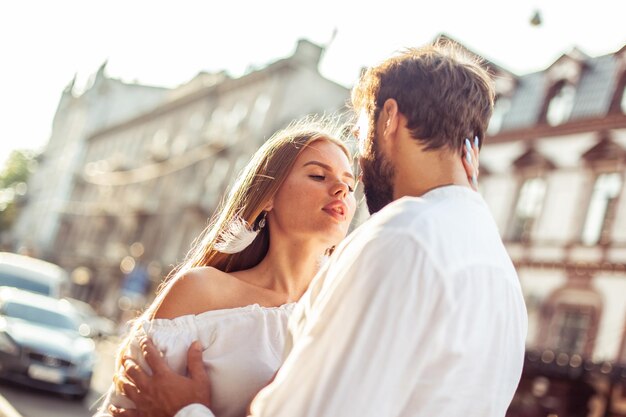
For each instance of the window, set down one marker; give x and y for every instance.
(215, 130)
(570, 317)
(500, 109)
(140, 225)
(561, 104)
(240, 164)
(196, 121)
(622, 352)
(40, 315)
(571, 328)
(159, 147)
(528, 208)
(236, 116)
(218, 174)
(259, 111)
(601, 208)
(618, 104)
(180, 143)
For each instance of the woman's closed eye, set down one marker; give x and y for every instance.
(323, 177)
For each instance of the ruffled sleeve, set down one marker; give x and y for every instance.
(172, 338)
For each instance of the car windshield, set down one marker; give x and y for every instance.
(7, 280)
(38, 315)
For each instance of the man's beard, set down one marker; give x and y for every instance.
(378, 174)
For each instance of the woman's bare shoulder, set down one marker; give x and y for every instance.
(198, 290)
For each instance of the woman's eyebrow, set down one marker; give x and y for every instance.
(327, 167)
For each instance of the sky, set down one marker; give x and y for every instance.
(165, 43)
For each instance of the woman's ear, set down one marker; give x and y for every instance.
(270, 205)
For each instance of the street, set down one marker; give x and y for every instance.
(34, 403)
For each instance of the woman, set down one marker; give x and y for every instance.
(236, 290)
(290, 206)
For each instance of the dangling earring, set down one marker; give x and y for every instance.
(262, 221)
(238, 235)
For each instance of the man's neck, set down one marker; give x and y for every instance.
(417, 182)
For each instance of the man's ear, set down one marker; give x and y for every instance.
(390, 117)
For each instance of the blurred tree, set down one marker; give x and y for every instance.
(13, 177)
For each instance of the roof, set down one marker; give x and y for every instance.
(303, 57)
(526, 103)
(595, 90)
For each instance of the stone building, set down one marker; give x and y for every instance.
(149, 184)
(553, 172)
(106, 101)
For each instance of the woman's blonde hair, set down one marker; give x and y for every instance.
(255, 186)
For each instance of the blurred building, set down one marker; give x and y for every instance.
(149, 184)
(553, 172)
(104, 102)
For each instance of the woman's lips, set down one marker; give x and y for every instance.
(336, 209)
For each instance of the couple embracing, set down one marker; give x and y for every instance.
(418, 312)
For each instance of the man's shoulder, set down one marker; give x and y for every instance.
(394, 223)
(454, 227)
(413, 215)
(400, 212)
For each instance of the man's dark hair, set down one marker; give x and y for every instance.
(443, 91)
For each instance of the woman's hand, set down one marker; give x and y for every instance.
(470, 162)
(165, 392)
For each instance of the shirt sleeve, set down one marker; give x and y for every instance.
(361, 333)
(174, 340)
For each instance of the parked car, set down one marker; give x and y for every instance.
(40, 344)
(33, 275)
(97, 326)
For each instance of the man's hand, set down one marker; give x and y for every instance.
(165, 392)
(470, 161)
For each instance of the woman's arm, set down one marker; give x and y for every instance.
(192, 293)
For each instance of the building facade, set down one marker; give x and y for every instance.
(106, 101)
(149, 184)
(553, 170)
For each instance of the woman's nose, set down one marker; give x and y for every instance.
(340, 189)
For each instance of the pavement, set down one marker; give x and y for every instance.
(6, 409)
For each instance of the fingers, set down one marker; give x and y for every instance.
(153, 357)
(133, 372)
(195, 365)
(470, 162)
(473, 181)
(129, 390)
(130, 382)
(476, 153)
(123, 412)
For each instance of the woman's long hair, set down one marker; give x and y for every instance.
(251, 192)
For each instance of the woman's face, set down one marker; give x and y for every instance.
(316, 201)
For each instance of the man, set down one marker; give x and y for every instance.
(419, 312)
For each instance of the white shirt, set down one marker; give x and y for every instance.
(419, 312)
(242, 349)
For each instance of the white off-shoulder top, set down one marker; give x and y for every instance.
(242, 349)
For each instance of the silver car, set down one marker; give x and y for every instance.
(40, 344)
(33, 275)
